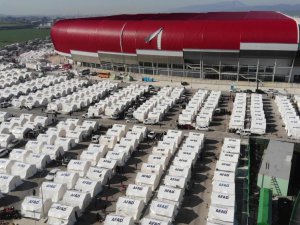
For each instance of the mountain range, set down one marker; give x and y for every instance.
(231, 6)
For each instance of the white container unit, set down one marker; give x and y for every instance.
(151, 180)
(129, 207)
(90, 186)
(112, 219)
(62, 214)
(147, 221)
(163, 210)
(140, 192)
(39, 160)
(221, 214)
(35, 207)
(223, 187)
(222, 199)
(170, 194)
(78, 166)
(99, 174)
(76, 199)
(23, 170)
(9, 182)
(34, 146)
(68, 178)
(5, 165)
(66, 143)
(53, 191)
(224, 176)
(19, 155)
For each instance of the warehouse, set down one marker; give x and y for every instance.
(218, 45)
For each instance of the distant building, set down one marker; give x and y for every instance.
(218, 45)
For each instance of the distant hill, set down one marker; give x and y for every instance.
(231, 6)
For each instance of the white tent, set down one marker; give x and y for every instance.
(151, 168)
(62, 214)
(39, 160)
(231, 148)
(175, 181)
(135, 135)
(99, 174)
(143, 129)
(66, 143)
(91, 156)
(118, 220)
(91, 123)
(162, 152)
(118, 133)
(124, 149)
(5, 166)
(151, 180)
(158, 160)
(53, 191)
(90, 186)
(9, 183)
(53, 151)
(147, 221)
(221, 214)
(76, 199)
(179, 171)
(184, 154)
(69, 178)
(167, 144)
(140, 192)
(132, 142)
(35, 207)
(120, 157)
(129, 207)
(222, 199)
(228, 157)
(170, 194)
(34, 146)
(44, 121)
(163, 210)
(103, 149)
(48, 138)
(4, 116)
(223, 187)
(79, 166)
(24, 170)
(28, 116)
(6, 139)
(224, 176)
(120, 127)
(226, 166)
(108, 141)
(181, 162)
(19, 132)
(76, 135)
(108, 164)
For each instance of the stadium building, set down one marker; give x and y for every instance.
(217, 45)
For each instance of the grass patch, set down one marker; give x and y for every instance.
(8, 37)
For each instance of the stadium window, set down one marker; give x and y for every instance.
(162, 65)
(177, 66)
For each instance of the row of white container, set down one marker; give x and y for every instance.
(258, 119)
(187, 116)
(222, 207)
(156, 107)
(28, 86)
(237, 120)
(169, 195)
(35, 55)
(44, 96)
(85, 180)
(289, 116)
(18, 126)
(79, 99)
(13, 77)
(206, 114)
(120, 102)
(147, 180)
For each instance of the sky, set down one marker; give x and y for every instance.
(106, 7)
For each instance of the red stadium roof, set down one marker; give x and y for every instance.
(216, 30)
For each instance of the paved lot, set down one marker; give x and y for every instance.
(196, 201)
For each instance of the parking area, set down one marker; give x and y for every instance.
(196, 202)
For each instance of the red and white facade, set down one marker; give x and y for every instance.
(181, 39)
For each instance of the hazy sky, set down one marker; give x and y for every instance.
(85, 7)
